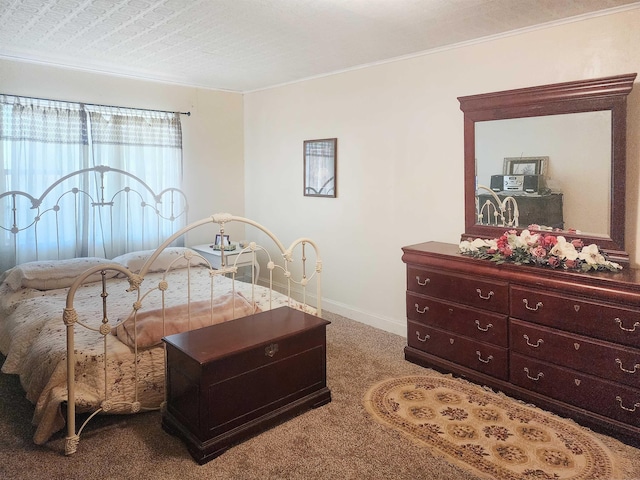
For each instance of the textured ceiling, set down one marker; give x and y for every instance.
(245, 45)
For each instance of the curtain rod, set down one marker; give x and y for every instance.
(188, 114)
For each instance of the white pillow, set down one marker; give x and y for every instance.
(53, 274)
(135, 260)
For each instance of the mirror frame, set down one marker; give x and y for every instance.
(607, 93)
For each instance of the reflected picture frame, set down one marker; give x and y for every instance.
(525, 166)
(320, 160)
(220, 239)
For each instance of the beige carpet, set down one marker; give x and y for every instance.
(489, 433)
(339, 440)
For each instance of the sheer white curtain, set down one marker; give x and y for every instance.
(148, 145)
(42, 141)
(39, 141)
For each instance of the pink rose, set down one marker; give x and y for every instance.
(554, 262)
(577, 243)
(549, 241)
(570, 263)
(539, 252)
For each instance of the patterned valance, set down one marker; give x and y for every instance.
(124, 126)
(51, 121)
(46, 121)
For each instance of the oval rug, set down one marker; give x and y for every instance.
(491, 434)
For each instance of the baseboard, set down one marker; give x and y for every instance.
(376, 321)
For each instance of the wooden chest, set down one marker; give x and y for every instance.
(229, 381)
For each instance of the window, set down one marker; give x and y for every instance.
(42, 141)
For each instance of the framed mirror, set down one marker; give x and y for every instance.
(578, 131)
(320, 167)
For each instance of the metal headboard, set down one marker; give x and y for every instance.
(88, 197)
(494, 211)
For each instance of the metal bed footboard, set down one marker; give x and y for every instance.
(295, 271)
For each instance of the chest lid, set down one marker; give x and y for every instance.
(214, 342)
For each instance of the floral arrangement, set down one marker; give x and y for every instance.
(539, 249)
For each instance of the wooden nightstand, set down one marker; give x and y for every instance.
(229, 381)
(214, 257)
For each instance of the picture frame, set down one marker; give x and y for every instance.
(222, 240)
(320, 160)
(525, 165)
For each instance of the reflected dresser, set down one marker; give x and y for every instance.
(568, 342)
(232, 380)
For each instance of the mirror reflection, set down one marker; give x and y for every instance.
(556, 167)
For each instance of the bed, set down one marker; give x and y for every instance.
(84, 334)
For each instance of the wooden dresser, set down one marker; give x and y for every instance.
(229, 381)
(567, 342)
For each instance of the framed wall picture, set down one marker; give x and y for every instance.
(320, 167)
(525, 166)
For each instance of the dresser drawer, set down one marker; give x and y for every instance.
(613, 362)
(594, 319)
(477, 324)
(469, 290)
(480, 356)
(610, 399)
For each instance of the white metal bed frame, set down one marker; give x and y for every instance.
(295, 283)
(102, 187)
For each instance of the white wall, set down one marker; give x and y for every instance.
(400, 151)
(212, 135)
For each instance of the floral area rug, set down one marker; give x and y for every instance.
(491, 434)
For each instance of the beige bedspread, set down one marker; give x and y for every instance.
(33, 338)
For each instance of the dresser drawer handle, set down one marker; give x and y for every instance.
(486, 329)
(533, 309)
(619, 322)
(489, 295)
(426, 280)
(271, 350)
(489, 358)
(426, 337)
(534, 345)
(635, 405)
(635, 367)
(536, 378)
(424, 310)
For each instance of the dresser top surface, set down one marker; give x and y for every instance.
(628, 278)
(221, 340)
